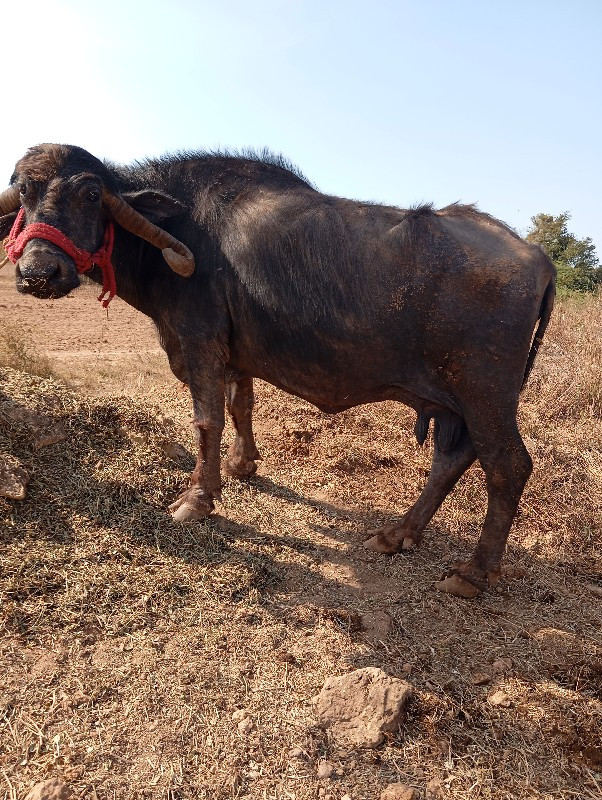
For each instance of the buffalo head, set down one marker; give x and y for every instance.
(68, 198)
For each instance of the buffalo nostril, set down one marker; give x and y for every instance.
(39, 271)
(45, 277)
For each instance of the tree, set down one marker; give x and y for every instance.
(575, 259)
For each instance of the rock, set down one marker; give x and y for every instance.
(481, 679)
(239, 714)
(499, 698)
(377, 625)
(44, 430)
(13, 478)
(398, 791)
(296, 752)
(53, 789)
(360, 707)
(325, 769)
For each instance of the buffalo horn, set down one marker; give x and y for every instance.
(9, 200)
(177, 255)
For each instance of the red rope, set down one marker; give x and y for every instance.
(21, 234)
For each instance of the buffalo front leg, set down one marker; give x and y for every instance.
(446, 469)
(207, 389)
(240, 461)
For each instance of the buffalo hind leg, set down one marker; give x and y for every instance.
(240, 461)
(507, 466)
(446, 469)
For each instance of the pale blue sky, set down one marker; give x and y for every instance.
(497, 103)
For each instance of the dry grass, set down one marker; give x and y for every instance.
(571, 384)
(127, 641)
(17, 353)
(121, 373)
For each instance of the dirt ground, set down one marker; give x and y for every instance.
(131, 645)
(93, 348)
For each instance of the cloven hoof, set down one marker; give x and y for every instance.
(380, 543)
(458, 587)
(186, 512)
(376, 544)
(239, 469)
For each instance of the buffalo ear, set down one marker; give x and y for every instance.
(6, 223)
(154, 205)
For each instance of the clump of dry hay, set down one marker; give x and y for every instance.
(127, 641)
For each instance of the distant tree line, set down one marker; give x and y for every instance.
(576, 261)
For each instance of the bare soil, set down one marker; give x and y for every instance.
(94, 349)
(128, 642)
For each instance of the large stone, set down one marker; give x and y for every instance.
(13, 478)
(44, 430)
(359, 708)
(53, 789)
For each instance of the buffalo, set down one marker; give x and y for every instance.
(247, 270)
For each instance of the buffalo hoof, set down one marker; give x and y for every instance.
(189, 513)
(190, 509)
(390, 540)
(457, 586)
(240, 469)
(468, 580)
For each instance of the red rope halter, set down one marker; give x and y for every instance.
(20, 234)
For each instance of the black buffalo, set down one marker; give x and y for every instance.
(336, 301)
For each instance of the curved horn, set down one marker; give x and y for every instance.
(9, 200)
(177, 255)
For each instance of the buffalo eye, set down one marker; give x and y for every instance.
(93, 195)
(23, 189)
